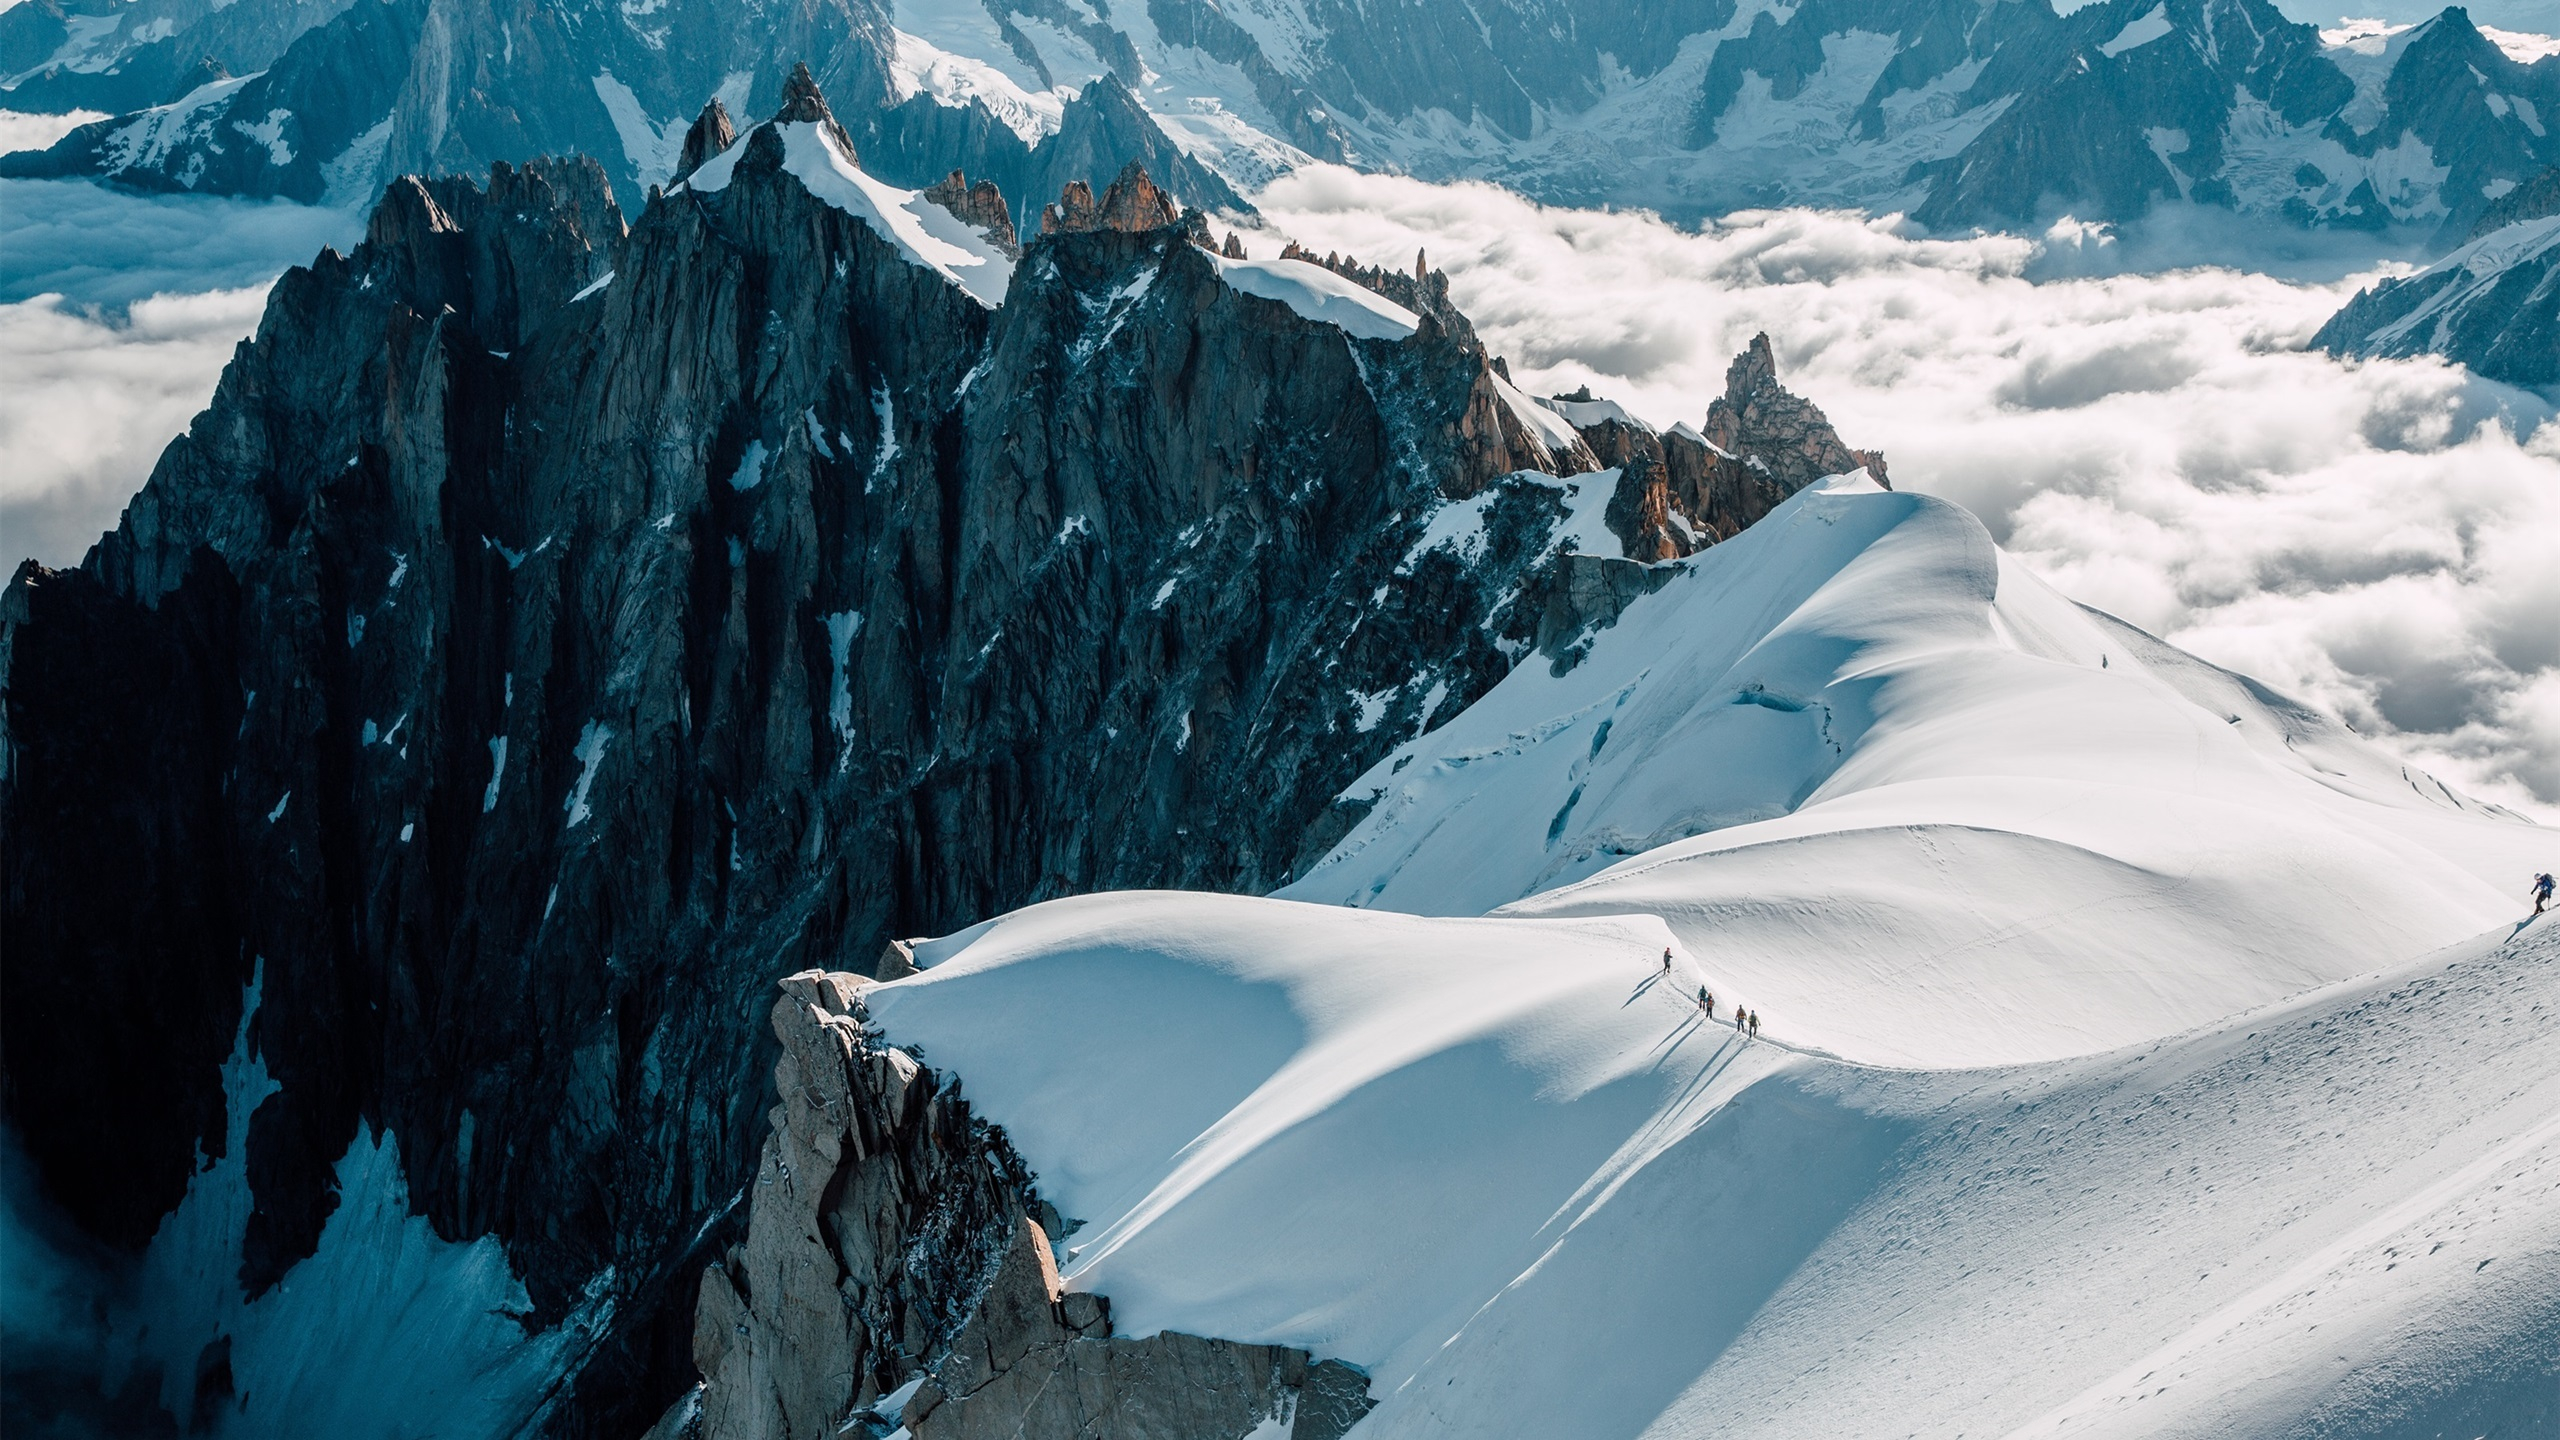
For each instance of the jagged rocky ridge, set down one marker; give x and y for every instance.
(897, 1274)
(551, 633)
(1959, 113)
(2493, 304)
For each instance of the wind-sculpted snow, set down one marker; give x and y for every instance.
(1320, 295)
(1868, 767)
(1510, 1170)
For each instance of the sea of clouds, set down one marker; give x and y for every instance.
(2377, 538)
(116, 315)
(2382, 539)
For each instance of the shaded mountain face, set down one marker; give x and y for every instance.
(1958, 113)
(550, 633)
(388, 87)
(111, 55)
(2493, 304)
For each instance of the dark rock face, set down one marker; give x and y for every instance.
(548, 634)
(896, 1248)
(2531, 200)
(1681, 491)
(2493, 305)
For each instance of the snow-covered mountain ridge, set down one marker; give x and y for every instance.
(2493, 304)
(1910, 790)
(2139, 1053)
(1516, 1176)
(2134, 1051)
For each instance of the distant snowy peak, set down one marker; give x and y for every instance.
(1963, 114)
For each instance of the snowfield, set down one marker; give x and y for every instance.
(2143, 1054)
(1936, 814)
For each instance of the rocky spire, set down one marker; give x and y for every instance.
(1683, 490)
(713, 132)
(981, 205)
(1234, 248)
(1132, 204)
(1758, 419)
(1072, 211)
(801, 102)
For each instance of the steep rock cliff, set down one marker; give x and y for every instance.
(897, 1272)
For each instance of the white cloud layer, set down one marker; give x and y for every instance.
(88, 403)
(2373, 538)
(117, 312)
(20, 131)
(107, 247)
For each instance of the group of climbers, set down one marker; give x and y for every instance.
(1744, 1021)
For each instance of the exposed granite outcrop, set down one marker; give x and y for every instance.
(1132, 204)
(1683, 490)
(980, 205)
(896, 1273)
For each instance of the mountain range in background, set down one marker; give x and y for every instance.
(1959, 113)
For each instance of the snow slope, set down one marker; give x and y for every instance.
(1930, 811)
(1508, 1170)
(1321, 296)
(2144, 1055)
(2493, 304)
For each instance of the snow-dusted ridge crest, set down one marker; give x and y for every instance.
(925, 233)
